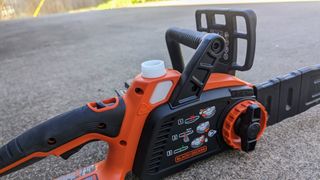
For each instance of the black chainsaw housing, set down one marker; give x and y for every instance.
(160, 153)
(183, 131)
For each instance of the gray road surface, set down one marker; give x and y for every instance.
(53, 64)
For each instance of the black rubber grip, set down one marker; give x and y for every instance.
(176, 36)
(61, 130)
(185, 36)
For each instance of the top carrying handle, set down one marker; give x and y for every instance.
(175, 36)
(230, 32)
(209, 48)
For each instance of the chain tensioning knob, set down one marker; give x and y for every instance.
(244, 125)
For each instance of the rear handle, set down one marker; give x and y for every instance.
(58, 136)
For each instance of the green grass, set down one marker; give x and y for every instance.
(120, 3)
(111, 4)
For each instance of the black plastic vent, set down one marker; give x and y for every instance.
(159, 145)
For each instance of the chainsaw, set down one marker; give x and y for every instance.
(165, 119)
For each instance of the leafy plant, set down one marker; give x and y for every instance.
(121, 3)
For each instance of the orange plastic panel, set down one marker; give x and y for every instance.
(220, 80)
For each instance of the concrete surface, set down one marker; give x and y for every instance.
(54, 64)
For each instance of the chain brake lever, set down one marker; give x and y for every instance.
(231, 30)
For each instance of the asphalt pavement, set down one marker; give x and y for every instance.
(53, 64)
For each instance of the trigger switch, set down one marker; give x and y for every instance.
(69, 153)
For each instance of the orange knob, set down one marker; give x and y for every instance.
(228, 131)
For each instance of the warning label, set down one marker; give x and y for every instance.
(191, 154)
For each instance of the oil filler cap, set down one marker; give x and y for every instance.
(244, 125)
(153, 69)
